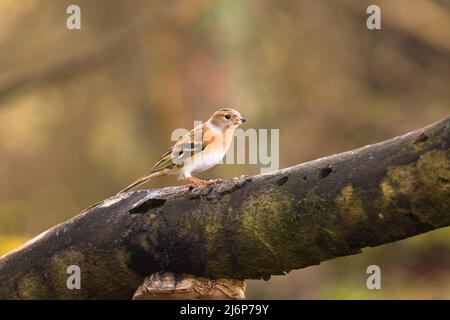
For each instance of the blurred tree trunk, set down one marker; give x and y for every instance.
(246, 228)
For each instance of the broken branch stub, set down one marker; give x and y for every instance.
(167, 286)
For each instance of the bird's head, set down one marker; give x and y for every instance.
(226, 118)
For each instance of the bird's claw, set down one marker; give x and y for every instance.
(204, 184)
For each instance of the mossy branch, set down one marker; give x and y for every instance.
(251, 227)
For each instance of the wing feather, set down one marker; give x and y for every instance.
(185, 148)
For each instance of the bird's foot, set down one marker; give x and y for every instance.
(214, 181)
(199, 183)
(196, 181)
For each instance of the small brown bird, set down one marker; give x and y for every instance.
(200, 149)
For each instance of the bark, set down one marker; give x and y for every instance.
(245, 228)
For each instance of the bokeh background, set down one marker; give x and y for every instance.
(85, 112)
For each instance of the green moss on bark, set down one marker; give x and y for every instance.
(419, 187)
(30, 286)
(350, 207)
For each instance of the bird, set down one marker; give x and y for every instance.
(198, 150)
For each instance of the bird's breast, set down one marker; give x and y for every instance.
(205, 160)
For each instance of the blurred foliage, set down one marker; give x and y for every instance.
(10, 242)
(85, 112)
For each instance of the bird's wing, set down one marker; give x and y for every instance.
(193, 142)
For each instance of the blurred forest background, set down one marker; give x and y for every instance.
(85, 112)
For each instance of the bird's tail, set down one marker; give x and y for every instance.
(145, 178)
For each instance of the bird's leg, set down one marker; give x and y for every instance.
(214, 181)
(197, 181)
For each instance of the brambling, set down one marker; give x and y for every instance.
(198, 150)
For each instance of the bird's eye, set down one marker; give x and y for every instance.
(227, 116)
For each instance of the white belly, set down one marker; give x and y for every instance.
(203, 161)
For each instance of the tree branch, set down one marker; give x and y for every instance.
(251, 227)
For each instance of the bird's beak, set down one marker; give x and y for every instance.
(242, 120)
